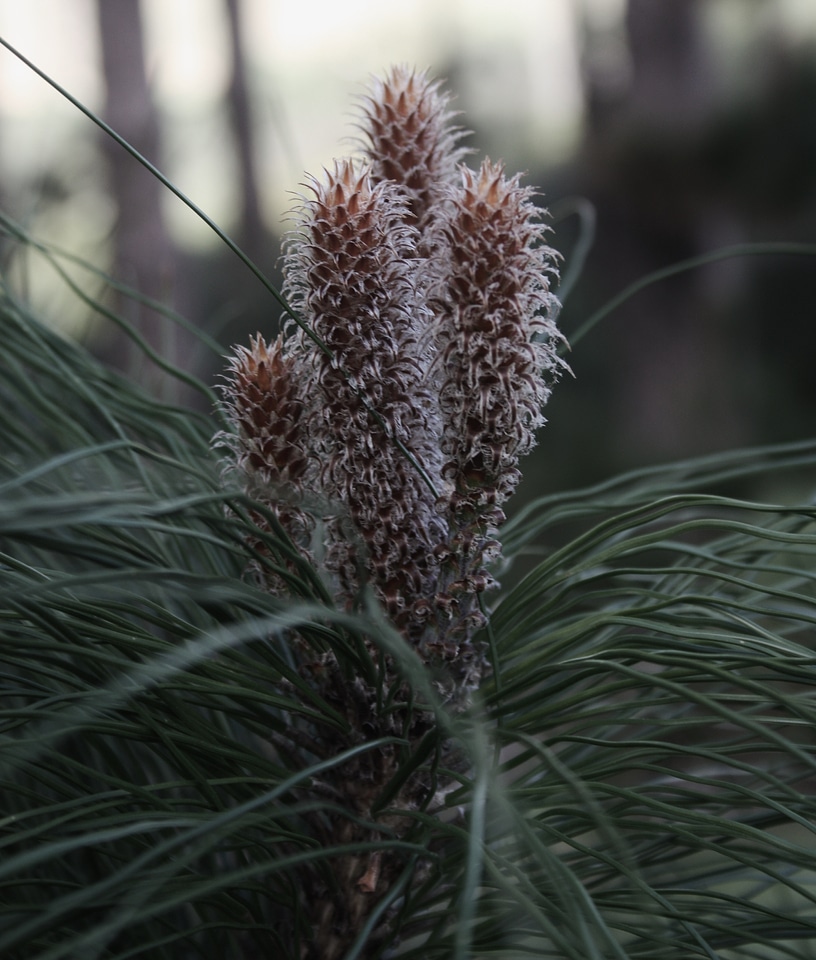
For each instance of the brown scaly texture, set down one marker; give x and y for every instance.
(410, 138)
(498, 346)
(497, 359)
(263, 396)
(351, 275)
(270, 449)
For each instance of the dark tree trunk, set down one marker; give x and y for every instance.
(144, 256)
(645, 154)
(250, 230)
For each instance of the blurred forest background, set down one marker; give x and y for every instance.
(677, 127)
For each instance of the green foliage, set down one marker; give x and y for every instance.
(639, 766)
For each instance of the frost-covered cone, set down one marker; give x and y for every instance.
(498, 344)
(411, 139)
(269, 450)
(262, 393)
(497, 361)
(351, 276)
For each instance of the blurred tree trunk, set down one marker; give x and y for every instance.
(671, 63)
(645, 155)
(144, 256)
(250, 231)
